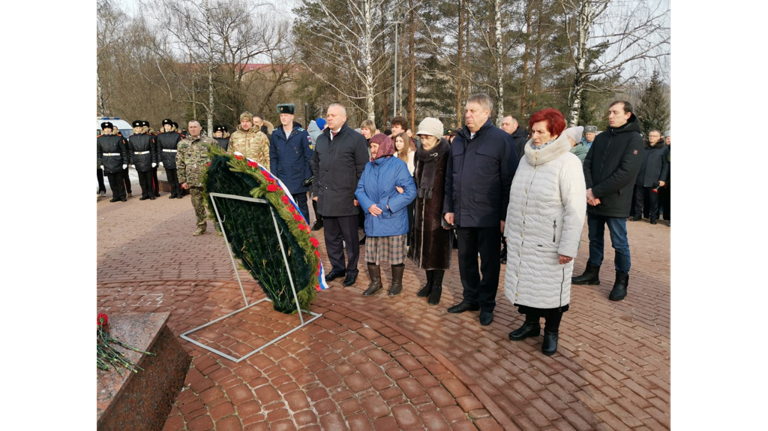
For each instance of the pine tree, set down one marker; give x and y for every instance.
(654, 110)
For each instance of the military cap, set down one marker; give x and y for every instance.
(167, 121)
(137, 123)
(175, 124)
(286, 108)
(106, 125)
(224, 128)
(448, 131)
(590, 129)
(219, 129)
(145, 123)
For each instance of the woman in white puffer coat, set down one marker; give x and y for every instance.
(547, 206)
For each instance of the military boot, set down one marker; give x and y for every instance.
(589, 277)
(199, 231)
(437, 287)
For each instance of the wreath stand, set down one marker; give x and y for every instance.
(245, 299)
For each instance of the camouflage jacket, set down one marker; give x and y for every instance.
(192, 159)
(253, 144)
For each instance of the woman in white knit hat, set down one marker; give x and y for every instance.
(431, 238)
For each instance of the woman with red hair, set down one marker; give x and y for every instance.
(544, 221)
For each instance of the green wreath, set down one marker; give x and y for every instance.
(250, 229)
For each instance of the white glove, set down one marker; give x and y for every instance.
(101, 167)
(125, 167)
(161, 164)
(154, 165)
(133, 166)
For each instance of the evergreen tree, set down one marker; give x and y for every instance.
(654, 110)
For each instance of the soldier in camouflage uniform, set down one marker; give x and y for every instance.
(191, 162)
(250, 141)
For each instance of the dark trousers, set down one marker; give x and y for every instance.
(173, 181)
(643, 194)
(664, 198)
(155, 182)
(116, 184)
(100, 178)
(318, 216)
(617, 226)
(145, 181)
(336, 229)
(127, 180)
(486, 241)
(301, 201)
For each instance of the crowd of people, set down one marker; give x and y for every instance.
(487, 189)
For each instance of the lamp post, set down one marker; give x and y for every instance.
(391, 19)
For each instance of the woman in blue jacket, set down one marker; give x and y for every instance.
(384, 191)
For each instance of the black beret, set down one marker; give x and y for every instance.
(286, 108)
(167, 121)
(106, 125)
(137, 123)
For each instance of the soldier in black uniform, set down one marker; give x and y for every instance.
(155, 181)
(126, 178)
(143, 157)
(167, 146)
(112, 156)
(221, 134)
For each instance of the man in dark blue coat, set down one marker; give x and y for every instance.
(290, 150)
(477, 180)
(610, 170)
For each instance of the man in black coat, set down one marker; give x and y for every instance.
(290, 150)
(510, 125)
(610, 170)
(167, 148)
(479, 173)
(142, 155)
(652, 176)
(338, 161)
(112, 157)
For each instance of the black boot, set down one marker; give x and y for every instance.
(437, 287)
(619, 290)
(531, 328)
(374, 273)
(397, 280)
(589, 277)
(424, 292)
(551, 329)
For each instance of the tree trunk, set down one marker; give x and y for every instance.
(210, 69)
(526, 58)
(412, 61)
(100, 93)
(537, 60)
(460, 72)
(499, 67)
(583, 22)
(370, 89)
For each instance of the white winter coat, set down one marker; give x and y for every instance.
(547, 206)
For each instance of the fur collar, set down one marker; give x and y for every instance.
(548, 152)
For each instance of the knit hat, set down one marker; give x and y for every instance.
(590, 129)
(574, 133)
(386, 148)
(668, 133)
(431, 126)
(320, 123)
(246, 116)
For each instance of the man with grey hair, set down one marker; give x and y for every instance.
(338, 161)
(477, 180)
(510, 125)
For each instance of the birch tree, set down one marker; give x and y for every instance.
(605, 36)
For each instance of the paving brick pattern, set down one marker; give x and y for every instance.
(391, 363)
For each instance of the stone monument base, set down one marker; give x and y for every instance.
(143, 400)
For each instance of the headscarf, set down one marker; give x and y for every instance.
(386, 148)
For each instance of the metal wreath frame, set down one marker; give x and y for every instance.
(245, 299)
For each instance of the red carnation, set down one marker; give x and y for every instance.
(317, 253)
(317, 287)
(102, 319)
(208, 164)
(297, 217)
(272, 188)
(238, 157)
(314, 242)
(291, 209)
(252, 164)
(285, 200)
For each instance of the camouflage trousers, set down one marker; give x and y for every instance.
(196, 193)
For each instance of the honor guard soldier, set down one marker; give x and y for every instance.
(155, 182)
(112, 156)
(167, 147)
(221, 136)
(143, 157)
(290, 151)
(192, 161)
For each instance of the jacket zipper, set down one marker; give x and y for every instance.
(554, 230)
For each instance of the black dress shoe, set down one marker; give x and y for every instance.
(157, 195)
(636, 218)
(462, 307)
(333, 275)
(151, 197)
(350, 280)
(143, 198)
(486, 317)
(653, 221)
(114, 200)
(530, 328)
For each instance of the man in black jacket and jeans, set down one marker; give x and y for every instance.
(338, 161)
(610, 170)
(477, 180)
